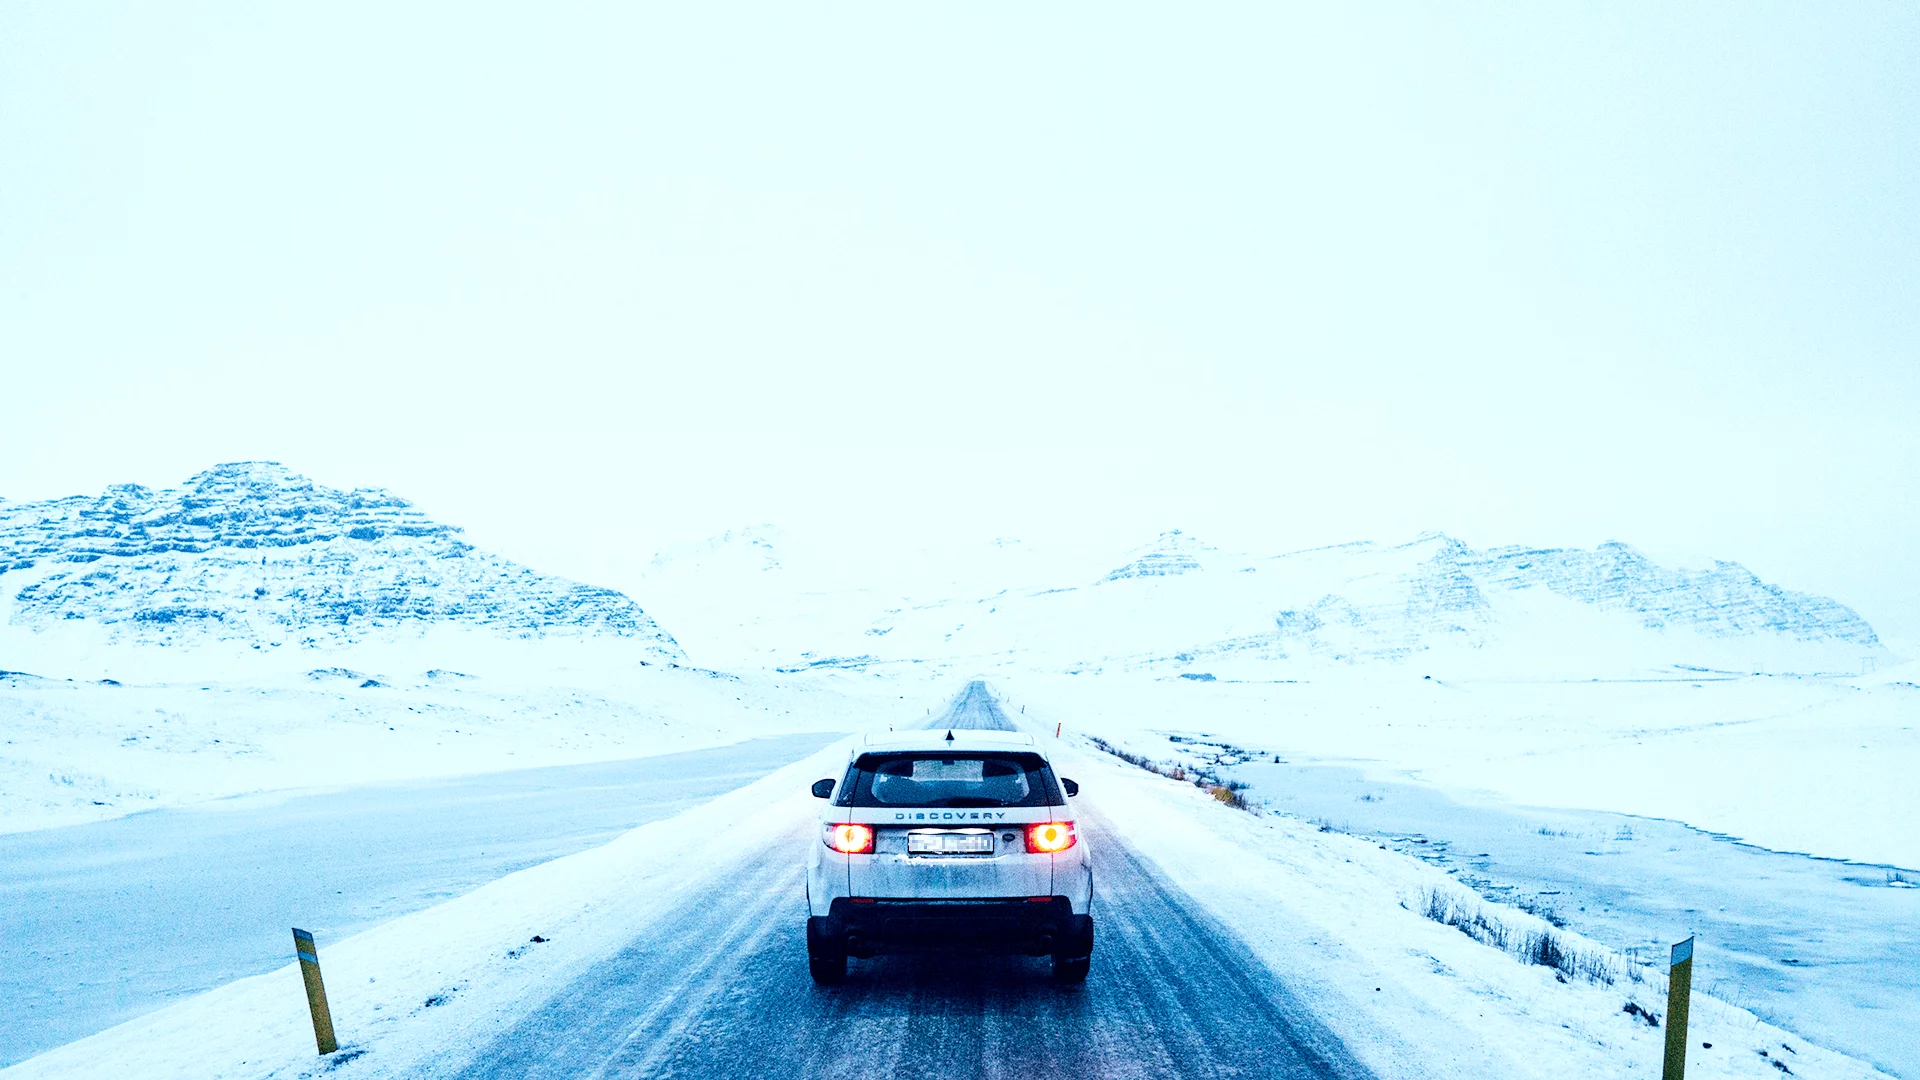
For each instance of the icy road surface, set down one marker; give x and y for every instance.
(102, 922)
(724, 991)
(975, 707)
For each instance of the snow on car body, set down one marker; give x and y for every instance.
(960, 839)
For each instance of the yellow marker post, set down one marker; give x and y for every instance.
(316, 991)
(1679, 989)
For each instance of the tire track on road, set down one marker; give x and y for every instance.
(722, 990)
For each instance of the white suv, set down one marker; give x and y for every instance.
(958, 838)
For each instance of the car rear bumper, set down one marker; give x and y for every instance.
(1019, 925)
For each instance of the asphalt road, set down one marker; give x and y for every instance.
(722, 990)
(102, 922)
(975, 708)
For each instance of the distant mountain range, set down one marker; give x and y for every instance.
(252, 552)
(1182, 607)
(1446, 590)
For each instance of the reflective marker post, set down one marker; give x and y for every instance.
(316, 992)
(1679, 989)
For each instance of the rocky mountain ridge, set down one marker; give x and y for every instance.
(1177, 604)
(1723, 600)
(1172, 553)
(255, 553)
(1446, 592)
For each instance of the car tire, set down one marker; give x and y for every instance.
(1071, 971)
(826, 962)
(828, 970)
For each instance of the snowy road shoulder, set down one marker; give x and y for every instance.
(1341, 919)
(413, 996)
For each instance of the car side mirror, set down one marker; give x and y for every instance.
(1072, 788)
(822, 788)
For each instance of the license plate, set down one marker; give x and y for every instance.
(950, 843)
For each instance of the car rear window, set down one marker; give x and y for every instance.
(949, 780)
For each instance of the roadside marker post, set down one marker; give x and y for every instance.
(1679, 989)
(1057, 727)
(303, 947)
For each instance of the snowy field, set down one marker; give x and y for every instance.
(207, 892)
(1818, 766)
(258, 650)
(1706, 781)
(1585, 679)
(1338, 915)
(1818, 945)
(1124, 709)
(107, 743)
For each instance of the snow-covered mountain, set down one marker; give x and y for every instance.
(1180, 606)
(1173, 553)
(254, 554)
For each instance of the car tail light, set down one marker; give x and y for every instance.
(1048, 837)
(851, 839)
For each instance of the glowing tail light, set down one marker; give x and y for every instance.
(1048, 837)
(851, 839)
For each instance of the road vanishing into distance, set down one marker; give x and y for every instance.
(721, 988)
(102, 922)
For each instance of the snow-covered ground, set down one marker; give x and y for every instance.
(1792, 765)
(111, 919)
(1591, 679)
(86, 749)
(1344, 918)
(423, 986)
(252, 632)
(1809, 765)
(1818, 944)
(1813, 944)
(1340, 917)
(1592, 682)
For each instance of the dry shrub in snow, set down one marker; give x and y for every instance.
(1527, 938)
(1232, 792)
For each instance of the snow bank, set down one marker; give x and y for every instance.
(1816, 766)
(1341, 919)
(413, 997)
(73, 751)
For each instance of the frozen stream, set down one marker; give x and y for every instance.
(1827, 948)
(102, 922)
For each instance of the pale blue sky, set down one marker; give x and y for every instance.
(592, 281)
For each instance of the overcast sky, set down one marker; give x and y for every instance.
(590, 283)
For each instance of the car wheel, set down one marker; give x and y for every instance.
(1071, 970)
(828, 970)
(825, 961)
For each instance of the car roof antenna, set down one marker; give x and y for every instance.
(949, 734)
